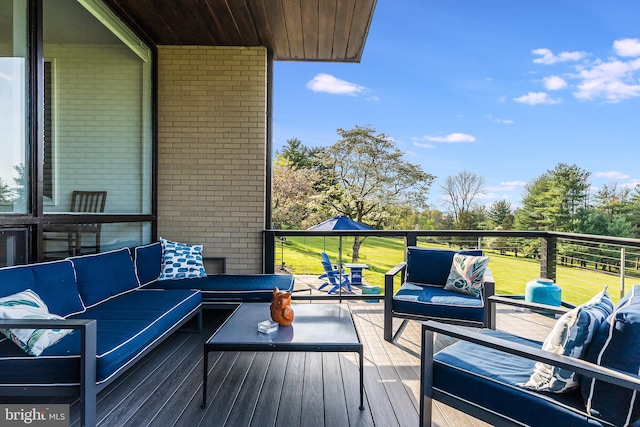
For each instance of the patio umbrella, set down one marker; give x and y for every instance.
(339, 222)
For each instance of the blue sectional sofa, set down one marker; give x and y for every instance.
(119, 312)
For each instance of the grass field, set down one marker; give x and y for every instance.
(302, 256)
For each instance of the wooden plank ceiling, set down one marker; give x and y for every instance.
(295, 30)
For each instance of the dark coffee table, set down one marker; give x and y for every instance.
(316, 328)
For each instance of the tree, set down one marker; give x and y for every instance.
(368, 176)
(498, 213)
(298, 156)
(553, 199)
(460, 191)
(292, 191)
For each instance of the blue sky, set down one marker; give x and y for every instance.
(505, 89)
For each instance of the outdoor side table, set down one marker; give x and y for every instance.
(356, 272)
(315, 328)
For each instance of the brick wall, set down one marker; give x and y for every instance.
(212, 150)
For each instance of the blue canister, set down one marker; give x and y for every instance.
(543, 291)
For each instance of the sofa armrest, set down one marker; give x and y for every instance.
(388, 296)
(518, 301)
(390, 275)
(88, 342)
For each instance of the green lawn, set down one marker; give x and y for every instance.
(302, 256)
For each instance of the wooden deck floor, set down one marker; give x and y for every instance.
(284, 389)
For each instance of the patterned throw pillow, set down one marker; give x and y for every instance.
(466, 273)
(28, 305)
(181, 261)
(570, 336)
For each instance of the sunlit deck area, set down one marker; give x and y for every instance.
(285, 389)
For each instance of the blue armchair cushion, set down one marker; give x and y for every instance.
(616, 346)
(146, 316)
(104, 275)
(489, 378)
(570, 336)
(181, 260)
(466, 274)
(28, 305)
(431, 266)
(435, 301)
(148, 260)
(54, 282)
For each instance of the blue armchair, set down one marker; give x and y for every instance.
(423, 296)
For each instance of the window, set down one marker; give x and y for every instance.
(97, 108)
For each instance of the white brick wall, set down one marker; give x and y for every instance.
(212, 150)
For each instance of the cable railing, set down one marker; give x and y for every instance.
(571, 260)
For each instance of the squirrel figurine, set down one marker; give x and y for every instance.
(281, 311)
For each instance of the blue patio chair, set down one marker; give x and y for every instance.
(325, 258)
(335, 278)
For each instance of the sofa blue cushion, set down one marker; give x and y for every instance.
(148, 262)
(616, 345)
(104, 275)
(431, 266)
(231, 287)
(126, 325)
(424, 300)
(54, 282)
(488, 378)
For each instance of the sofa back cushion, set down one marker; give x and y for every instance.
(148, 261)
(104, 275)
(617, 346)
(431, 266)
(54, 282)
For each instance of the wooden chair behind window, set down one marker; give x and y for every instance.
(88, 202)
(81, 202)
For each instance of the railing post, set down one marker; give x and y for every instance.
(548, 254)
(411, 239)
(479, 242)
(622, 272)
(269, 260)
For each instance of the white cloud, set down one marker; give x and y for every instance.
(373, 99)
(614, 175)
(501, 121)
(507, 186)
(547, 57)
(534, 98)
(627, 47)
(613, 81)
(423, 145)
(451, 138)
(554, 83)
(327, 83)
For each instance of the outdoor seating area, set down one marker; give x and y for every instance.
(293, 389)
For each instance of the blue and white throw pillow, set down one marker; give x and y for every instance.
(181, 261)
(466, 274)
(570, 336)
(28, 305)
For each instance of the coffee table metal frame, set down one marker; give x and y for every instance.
(316, 328)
